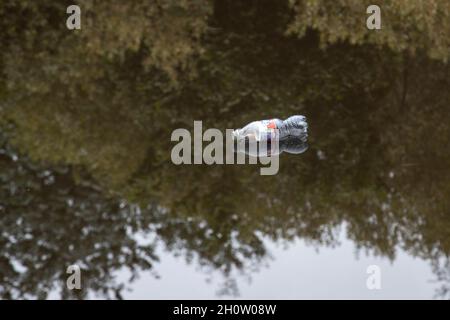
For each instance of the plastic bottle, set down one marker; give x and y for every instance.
(264, 130)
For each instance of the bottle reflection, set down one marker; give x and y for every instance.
(291, 144)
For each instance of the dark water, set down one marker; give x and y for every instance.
(86, 175)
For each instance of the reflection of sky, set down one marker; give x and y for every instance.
(296, 272)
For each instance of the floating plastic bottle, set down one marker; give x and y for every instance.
(295, 126)
(291, 135)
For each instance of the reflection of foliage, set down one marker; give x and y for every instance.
(406, 25)
(378, 119)
(442, 270)
(48, 222)
(77, 68)
(167, 34)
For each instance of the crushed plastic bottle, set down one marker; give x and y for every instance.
(295, 126)
(291, 135)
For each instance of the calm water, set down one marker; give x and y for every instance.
(86, 175)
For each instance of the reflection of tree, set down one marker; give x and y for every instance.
(441, 268)
(49, 222)
(406, 25)
(377, 160)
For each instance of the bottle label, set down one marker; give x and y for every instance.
(269, 124)
(269, 129)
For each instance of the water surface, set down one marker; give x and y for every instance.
(86, 175)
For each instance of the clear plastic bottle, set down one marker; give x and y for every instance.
(264, 130)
